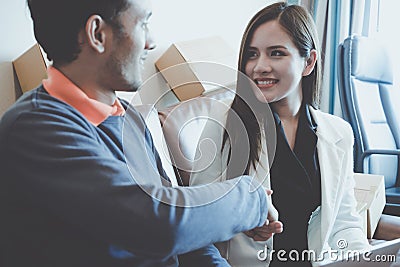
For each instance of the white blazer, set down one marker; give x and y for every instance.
(334, 225)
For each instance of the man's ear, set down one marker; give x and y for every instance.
(95, 33)
(310, 62)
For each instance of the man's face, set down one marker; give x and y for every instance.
(130, 46)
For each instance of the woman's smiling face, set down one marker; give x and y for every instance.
(274, 64)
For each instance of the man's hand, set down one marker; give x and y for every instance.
(265, 232)
(271, 226)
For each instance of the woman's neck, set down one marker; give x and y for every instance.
(287, 111)
(289, 114)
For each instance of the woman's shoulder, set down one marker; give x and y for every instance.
(333, 126)
(329, 120)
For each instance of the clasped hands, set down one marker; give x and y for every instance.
(271, 226)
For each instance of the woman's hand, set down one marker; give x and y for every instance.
(271, 226)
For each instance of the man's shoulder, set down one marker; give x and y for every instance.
(35, 106)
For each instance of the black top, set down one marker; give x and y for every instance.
(296, 182)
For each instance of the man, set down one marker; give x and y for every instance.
(67, 196)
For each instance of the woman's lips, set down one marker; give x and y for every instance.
(265, 83)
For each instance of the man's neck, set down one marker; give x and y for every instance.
(83, 79)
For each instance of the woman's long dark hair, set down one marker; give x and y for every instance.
(299, 25)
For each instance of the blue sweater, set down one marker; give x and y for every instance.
(69, 198)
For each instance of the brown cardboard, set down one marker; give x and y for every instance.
(186, 79)
(370, 195)
(31, 68)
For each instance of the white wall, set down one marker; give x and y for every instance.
(172, 21)
(16, 36)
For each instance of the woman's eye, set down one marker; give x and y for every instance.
(251, 54)
(277, 53)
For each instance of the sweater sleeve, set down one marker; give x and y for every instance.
(207, 256)
(55, 161)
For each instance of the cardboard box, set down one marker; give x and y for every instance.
(211, 64)
(370, 195)
(30, 68)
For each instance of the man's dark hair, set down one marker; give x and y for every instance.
(58, 22)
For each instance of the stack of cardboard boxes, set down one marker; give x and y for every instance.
(193, 67)
(30, 68)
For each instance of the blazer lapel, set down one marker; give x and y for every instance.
(330, 159)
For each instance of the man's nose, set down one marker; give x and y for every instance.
(150, 43)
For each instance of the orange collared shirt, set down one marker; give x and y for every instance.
(60, 87)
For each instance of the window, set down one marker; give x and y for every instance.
(386, 29)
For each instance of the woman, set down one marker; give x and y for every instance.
(311, 174)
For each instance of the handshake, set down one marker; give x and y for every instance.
(271, 226)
